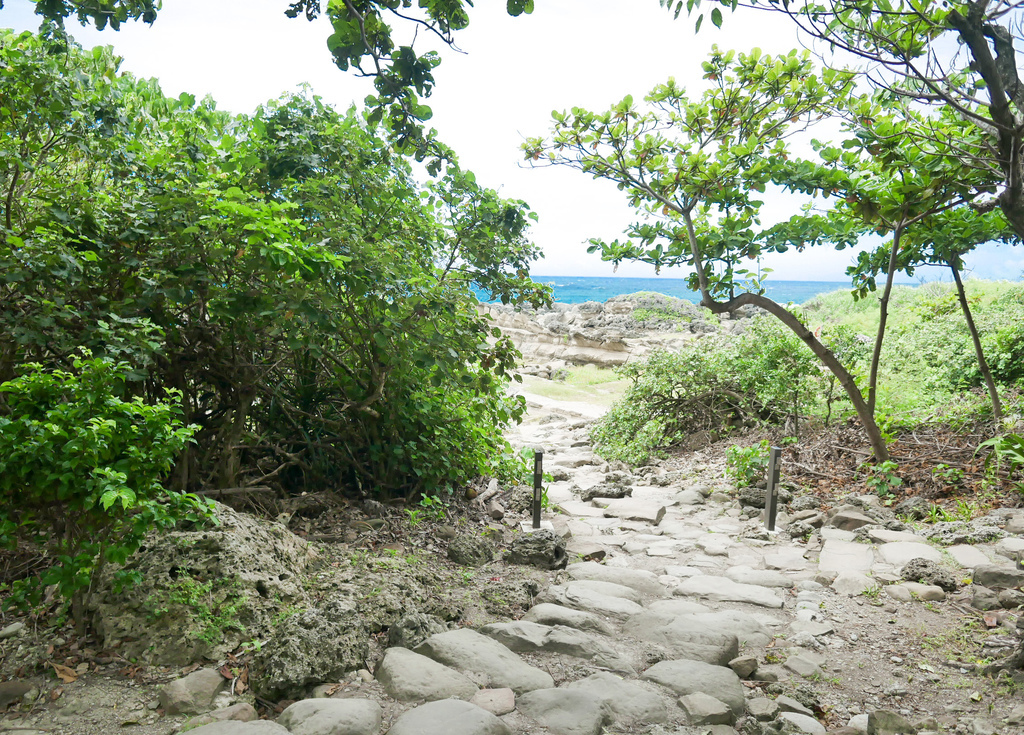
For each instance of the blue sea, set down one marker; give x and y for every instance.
(577, 289)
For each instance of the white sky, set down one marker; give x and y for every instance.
(515, 71)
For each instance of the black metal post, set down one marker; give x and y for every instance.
(538, 480)
(771, 505)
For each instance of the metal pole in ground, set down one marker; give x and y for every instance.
(771, 504)
(538, 480)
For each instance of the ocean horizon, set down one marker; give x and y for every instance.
(577, 289)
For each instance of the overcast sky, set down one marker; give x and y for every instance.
(512, 74)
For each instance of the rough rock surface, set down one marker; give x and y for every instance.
(251, 566)
(541, 549)
(410, 677)
(310, 647)
(449, 717)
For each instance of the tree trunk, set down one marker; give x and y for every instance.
(986, 373)
(883, 317)
(823, 353)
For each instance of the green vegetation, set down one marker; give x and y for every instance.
(747, 465)
(707, 389)
(81, 464)
(211, 612)
(283, 271)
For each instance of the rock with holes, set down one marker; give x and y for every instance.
(542, 549)
(208, 589)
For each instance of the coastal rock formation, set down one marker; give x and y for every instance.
(612, 333)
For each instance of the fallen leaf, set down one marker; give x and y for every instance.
(226, 672)
(65, 674)
(991, 621)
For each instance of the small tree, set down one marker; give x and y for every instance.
(693, 168)
(81, 468)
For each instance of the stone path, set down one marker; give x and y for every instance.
(681, 603)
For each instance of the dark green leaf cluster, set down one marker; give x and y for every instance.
(81, 470)
(284, 271)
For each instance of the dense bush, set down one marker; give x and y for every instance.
(704, 390)
(81, 470)
(283, 271)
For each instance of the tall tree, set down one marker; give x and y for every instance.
(958, 55)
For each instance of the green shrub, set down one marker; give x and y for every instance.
(746, 466)
(81, 466)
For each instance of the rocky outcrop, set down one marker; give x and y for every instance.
(201, 592)
(612, 333)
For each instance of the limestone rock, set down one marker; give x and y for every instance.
(628, 703)
(582, 598)
(639, 579)
(542, 549)
(496, 701)
(997, 577)
(566, 711)
(449, 717)
(762, 709)
(234, 727)
(241, 712)
(802, 723)
(470, 551)
(744, 666)
(192, 694)
(926, 571)
(523, 636)
(686, 677)
(411, 630)
(725, 590)
(847, 518)
(471, 652)
(684, 636)
(985, 599)
(703, 709)
(332, 717)
(887, 722)
(250, 563)
(410, 677)
(310, 647)
(547, 613)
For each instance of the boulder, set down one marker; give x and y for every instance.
(628, 703)
(410, 677)
(998, 578)
(684, 636)
(641, 580)
(192, 694)
(473, 653)
(310, 647)
(332, 717)
(566, 711)
(525, 637)
(201, 592)
(234, 727)
(470, 551)
(703, 709)
(686, 677)
(926, 571)
(411, 630)
(542, 549)
(449, 717)
(547, 613)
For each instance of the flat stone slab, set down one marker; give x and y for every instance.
(837, 534)
(260, 727)
(968, 556)
(582, 598)
(760, 577)
(474, 653)
(686, 677)
(639, 579)
(885, 536)
(630, 703)
(724, 589)
(449, 717)
(579, 508)
(332, 716)
(845, 556)
(853, 583)
(526, 637)
(998, 577)
(898, 553)
(803, 723)
(547, 613)
(684, 636)
(411, 677)
(566, 711)
(803, 665)
(611, 589)
(787, 558)
(1011, 547)
(634, 510)
(678, 607)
